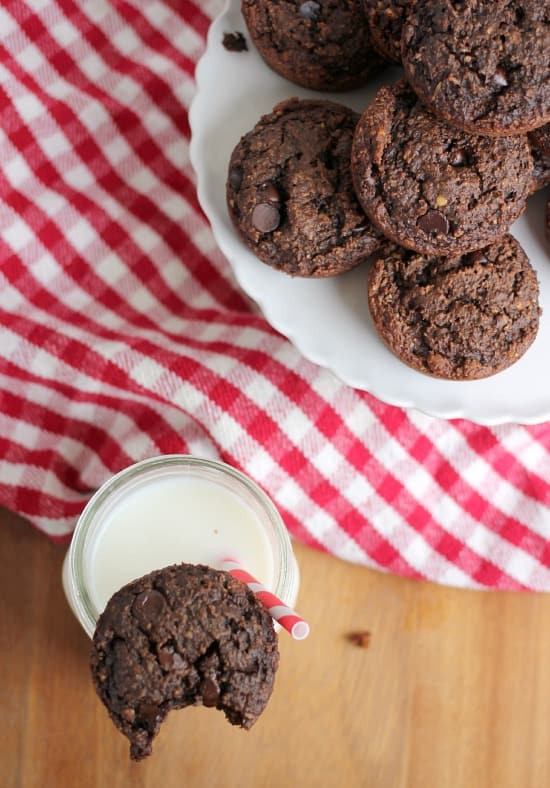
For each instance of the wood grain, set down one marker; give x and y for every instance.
(454, 690)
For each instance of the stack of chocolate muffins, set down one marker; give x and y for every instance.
(425, 183)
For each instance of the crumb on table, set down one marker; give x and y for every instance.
(360, 638)
(234, 42)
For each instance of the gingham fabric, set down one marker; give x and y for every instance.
(124, 335)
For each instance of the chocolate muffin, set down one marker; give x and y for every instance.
(385, 19)
(431, 187)
(459, 318)
(320, 45)
(481, 65)
(290, 192)
(183, 635)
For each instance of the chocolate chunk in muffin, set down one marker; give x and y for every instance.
(539, 141)
(385, 19)
(290, 193)
(320, 45)
(541, 171)
(183, 635)
(481, 65)
(431, 187)
(459, 318)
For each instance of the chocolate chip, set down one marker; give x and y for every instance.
(500, 78)
(477, 257)
(148, 606)
(210, 691)
(310, 10)
(170, 660)
(362, 228)
(234, 42)
(236, 177)
(270, 192)
(457, 158)
(434, 222)
(520, 16)
(148, 713)
(266, 217)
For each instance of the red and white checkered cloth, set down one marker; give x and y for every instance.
(123, 334)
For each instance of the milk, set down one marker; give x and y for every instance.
(166, 521)
(171, 509)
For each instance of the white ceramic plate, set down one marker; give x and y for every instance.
(328, 320)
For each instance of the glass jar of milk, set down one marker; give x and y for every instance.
(170, 509)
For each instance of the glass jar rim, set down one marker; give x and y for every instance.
(286, 571)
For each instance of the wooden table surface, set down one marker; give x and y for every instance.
(454, 690)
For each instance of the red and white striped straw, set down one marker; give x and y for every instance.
(284, 615)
